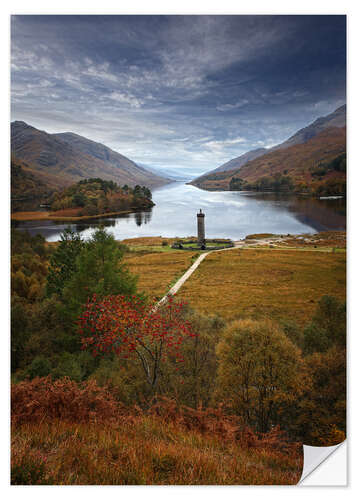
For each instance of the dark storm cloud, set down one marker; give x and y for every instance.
(183, 91)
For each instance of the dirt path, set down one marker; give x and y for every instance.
(183, 278)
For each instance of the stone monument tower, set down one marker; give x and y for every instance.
(201, 227)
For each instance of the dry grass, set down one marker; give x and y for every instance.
(69, 433)
(141, 450)
(158, 271)
(150, 241)
(280, 284)
(325, 239)
(61, 215)
(22, 216)
(261, 236)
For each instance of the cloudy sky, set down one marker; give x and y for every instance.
(177, 92)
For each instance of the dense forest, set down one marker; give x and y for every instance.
(28, 191)
(76, 313)
(96, 196)
(87, 197)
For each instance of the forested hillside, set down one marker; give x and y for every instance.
(28, 190)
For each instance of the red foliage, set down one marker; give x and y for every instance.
(129, 327)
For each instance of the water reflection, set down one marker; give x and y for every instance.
(321, 215)
(82, 226)
(138, 218)
(228, 214)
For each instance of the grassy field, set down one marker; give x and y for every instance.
(280, 284)
(254, 282)
(208, 245)
(157, 270)
(142, 450)
(326, 239)
(69, 433)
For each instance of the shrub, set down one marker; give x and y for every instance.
(328, 326)
(27, 467)
(259, 371)
(40, 367)
(33, 400)
(68, 366)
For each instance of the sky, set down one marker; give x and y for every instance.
(179, 93)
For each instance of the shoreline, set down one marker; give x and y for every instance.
(36, 215)
(268, 191)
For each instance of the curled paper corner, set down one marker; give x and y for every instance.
(314, 456)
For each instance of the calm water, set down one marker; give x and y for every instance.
(228, 215)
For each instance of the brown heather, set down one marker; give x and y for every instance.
(40, 398)
(68, 433)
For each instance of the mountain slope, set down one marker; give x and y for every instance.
(335, 119)
(235, 163)
(28, 190)
(300, 162)
(71, 158)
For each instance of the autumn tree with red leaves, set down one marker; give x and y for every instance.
(131, 329)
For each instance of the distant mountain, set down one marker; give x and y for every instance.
(70, 157)
(171, 174)
(335, 119)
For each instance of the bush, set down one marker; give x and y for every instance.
(328, 326)
(293, 332)
(40, 367)
(259, 369)
(31, 401)
(27, 467)
(68, 366)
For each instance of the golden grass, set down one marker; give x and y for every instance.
(150, 241)
(260, 236)
(22, 216)
(327, 239)
(141, 450)
(280, 284)
(158, 271)
(26, 216)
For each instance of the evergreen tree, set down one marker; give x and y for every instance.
(98, 271)
(63, 261)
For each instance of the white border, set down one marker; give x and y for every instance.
(159, 7)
